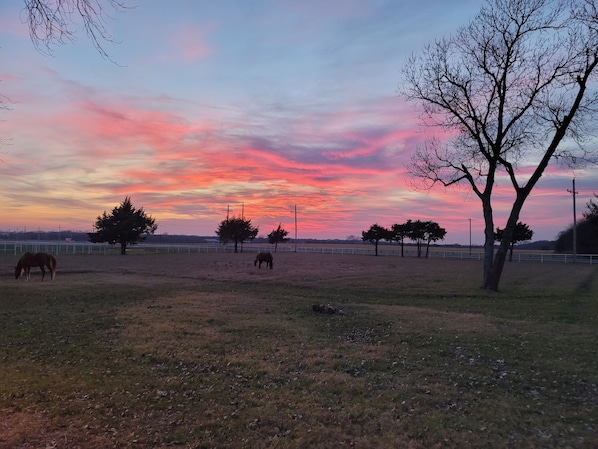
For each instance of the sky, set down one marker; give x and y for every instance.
(248, 107)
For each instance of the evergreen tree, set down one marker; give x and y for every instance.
(126, 225)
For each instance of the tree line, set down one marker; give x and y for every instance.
(421, 232)
(127, 225)
(586, 232)
(427, 232)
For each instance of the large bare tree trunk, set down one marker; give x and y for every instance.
(488, 238)
(492, 278)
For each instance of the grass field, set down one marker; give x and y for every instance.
(207, 351)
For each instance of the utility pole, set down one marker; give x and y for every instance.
(470, 237)
(295, 228)
(574, 192)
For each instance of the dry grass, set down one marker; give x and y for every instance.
(207, 351)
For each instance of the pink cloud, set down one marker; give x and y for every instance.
(345, 170)
(190, 43)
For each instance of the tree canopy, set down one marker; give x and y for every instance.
(432, 233)
(509, 92)
(400, 232)
(375, 234)
(237, 230)
(278, 235)
(421, 232)
(592, 213)
(587, 232)
(521, 233)
(126, 225)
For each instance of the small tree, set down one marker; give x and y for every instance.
(399, 232)
(375, 234)
(278, 235)
(521, 233)
(417, 233)
(236, 229)
(432, 233)
(126, 226)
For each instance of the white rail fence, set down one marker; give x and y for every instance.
(82, 248)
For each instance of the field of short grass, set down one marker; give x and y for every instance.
(207, 351)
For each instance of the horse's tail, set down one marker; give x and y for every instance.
(52, 261)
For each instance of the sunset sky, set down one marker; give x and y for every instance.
(256, 105)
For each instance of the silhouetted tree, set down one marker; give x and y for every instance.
(278, 235)
(432, 233)
(236, 229)
(521, 233)
(417, 234)
(587, 238)
(510, 87)
(586, 233)
(592, 214)
(424, 232)
(400, 232)
(375, 234)
(125, 226)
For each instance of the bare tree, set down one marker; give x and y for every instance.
(512, 90)
(53, 22)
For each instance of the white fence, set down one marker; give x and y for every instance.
(55, 247)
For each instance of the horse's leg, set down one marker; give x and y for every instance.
(41, 267)
(27, 273)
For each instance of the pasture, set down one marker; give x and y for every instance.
(208, 351)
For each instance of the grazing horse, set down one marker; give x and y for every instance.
(263, 257)
(41, 260)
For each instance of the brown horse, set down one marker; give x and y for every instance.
(41, 260)
(263, 257)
